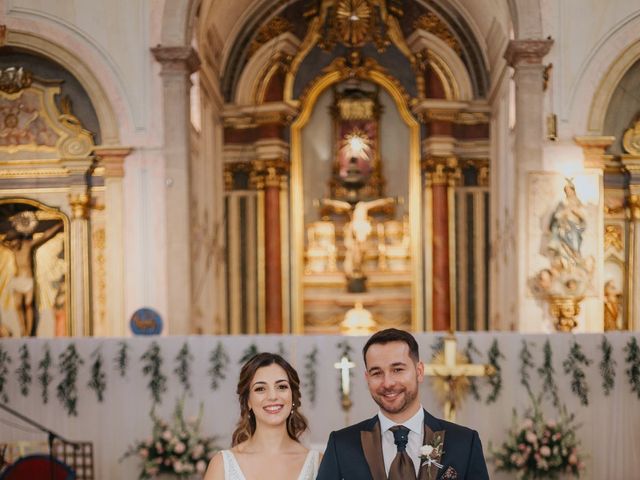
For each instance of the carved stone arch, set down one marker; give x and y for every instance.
(104, 98)
(178, 22)
(526, 16)
(260, 67)
(446, 63)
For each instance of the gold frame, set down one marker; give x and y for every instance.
(67, 251)
(317, 87)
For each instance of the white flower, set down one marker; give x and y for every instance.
(426, 450)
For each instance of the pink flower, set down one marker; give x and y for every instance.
(530, 437)
(201, 466)
(545, 451)
(198, 451)
(573, 459)
(551, 423)
(144, 453)
(527, 424)
(167, 435)
(177, 466)
(179, 448)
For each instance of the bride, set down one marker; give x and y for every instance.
(265, 442)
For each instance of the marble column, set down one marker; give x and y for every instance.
(80, 281)
(177, 65)
(112, 160)
(525, 56)
(440, 179)
(631, 163)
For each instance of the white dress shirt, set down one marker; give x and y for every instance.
(416, 434)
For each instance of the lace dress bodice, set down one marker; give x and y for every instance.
(232, 469)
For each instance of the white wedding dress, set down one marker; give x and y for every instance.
(232, 469)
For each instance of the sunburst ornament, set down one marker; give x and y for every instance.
(356, 144)
(353, 19)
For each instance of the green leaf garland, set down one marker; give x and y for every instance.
(607, 366)
(5, 361)
(310, 375)
(23, 371)
(633, 362)
(572, 366)
(184, 359)
(218, 361)
(526, 364)
(122, 358)
(249, 353)
(44, 375)
(69, 362)
(547, 374)
(98, 381)
(495, 380)
(152, 367)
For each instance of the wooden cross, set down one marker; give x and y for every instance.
(344, 365)
(450, 371)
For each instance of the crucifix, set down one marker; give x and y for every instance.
(452, 370)
(344, 365)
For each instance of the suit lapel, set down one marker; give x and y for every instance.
(431, 437)
(372, 446)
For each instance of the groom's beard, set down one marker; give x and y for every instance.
(400, 403)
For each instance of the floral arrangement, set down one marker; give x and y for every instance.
(539, 448)
(175, 448)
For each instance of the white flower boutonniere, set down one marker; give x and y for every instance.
(431, 453)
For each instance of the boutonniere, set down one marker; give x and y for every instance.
(431, 453)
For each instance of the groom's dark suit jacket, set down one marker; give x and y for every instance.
(355, 453)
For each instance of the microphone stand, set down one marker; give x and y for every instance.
(51, 435)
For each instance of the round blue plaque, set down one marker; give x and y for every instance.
(146, 321)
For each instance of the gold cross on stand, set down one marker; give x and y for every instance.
(452, 371)
(344, 365)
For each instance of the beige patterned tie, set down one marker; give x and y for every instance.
(402, 467)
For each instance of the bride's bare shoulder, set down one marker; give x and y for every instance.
(215, 470)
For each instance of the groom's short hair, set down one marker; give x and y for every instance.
(393, 335)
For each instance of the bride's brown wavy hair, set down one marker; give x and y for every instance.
(246, 427)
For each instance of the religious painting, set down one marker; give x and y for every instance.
(563, 228)
(34, 270)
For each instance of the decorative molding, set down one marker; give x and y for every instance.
(634, 207)
(80, 205)
(613, 237)
(180, 59)
(431, 23)
(272, 29)
(631, 139)
(527, 52)
(593, 148)
(14, 79)
(112, 159)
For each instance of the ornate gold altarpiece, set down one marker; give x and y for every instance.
(48, 186)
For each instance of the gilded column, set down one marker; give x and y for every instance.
(593, 148)
(80, 283)
(112, 160)
(440, 179)
(631, 162)
(177, 65)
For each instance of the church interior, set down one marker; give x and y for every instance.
(184, 183)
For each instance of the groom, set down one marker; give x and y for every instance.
(403, 441)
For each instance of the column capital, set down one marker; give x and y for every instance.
(176, 59)
(441, 171)
(269, 173)
(112, 160)
(593, 148)
(527, 52)
(633, 201)
(80, 205)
